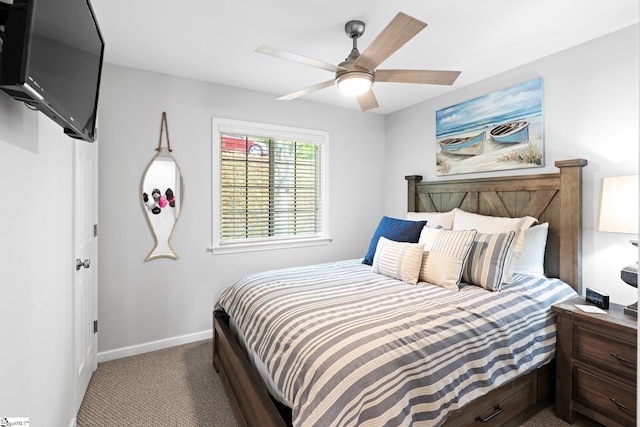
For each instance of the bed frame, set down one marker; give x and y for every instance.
(555, 198)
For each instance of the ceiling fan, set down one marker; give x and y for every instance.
(357, 73)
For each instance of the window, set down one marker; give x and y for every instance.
(269, 186)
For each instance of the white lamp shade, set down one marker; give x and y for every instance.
(619, 205)
(354, 83)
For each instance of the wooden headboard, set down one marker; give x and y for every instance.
(555, 198)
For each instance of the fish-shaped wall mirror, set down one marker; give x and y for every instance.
(162, 193)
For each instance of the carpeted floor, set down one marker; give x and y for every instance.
(172, 387)
(179, 387)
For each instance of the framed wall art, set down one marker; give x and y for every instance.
(498, 131)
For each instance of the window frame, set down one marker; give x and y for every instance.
(223, 125)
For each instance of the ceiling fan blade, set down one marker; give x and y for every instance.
(307, 90)
(290, 56)
(367, 101)
(417, 76)
(400, 30)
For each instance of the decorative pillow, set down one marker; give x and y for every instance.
(488, 260)
(445, 252)
(528, 254)
(399, 230)
(463, 220)
(443, 219)
(398, 260)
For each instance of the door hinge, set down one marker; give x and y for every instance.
(95, 326)
(95, 230)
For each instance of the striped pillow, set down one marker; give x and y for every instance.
(488, 260)
(445, 252)
(398, 260)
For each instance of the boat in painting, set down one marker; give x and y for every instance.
(511, 132)
(464, 146)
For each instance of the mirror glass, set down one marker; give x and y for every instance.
(162, 194)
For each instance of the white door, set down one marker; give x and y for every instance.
(86, 264)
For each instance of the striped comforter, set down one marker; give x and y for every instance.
(349, 347)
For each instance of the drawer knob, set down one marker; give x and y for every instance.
(496, 411)
(621, 406)
(622, 359)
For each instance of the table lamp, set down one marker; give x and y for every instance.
(619, 214)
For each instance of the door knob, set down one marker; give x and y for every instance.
(79, 263)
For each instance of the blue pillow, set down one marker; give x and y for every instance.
(400, 230)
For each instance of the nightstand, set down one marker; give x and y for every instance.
(596, 358)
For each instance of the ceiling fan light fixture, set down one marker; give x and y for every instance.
(354, 83)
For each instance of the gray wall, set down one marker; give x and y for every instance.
(141, 302)
(590, 111)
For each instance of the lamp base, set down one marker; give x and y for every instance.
(631, 310)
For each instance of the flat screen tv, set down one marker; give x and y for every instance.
(51, 59)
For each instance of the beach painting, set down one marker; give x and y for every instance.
(498, 131)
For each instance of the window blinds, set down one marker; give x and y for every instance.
(270, 188)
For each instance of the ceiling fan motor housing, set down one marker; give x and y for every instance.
(349, 68)
(354, 29)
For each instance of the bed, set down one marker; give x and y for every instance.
(488, 394)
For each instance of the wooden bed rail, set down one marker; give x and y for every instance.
(249, 399)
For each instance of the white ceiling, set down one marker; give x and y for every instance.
(212, 40)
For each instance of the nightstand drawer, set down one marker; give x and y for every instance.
(605, 349)
(607, 396)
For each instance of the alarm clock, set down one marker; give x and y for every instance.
(597, 298)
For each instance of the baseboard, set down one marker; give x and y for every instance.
(133, 350)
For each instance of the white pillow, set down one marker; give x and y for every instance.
(528, 255)
(463, 220)
(443, 219)
(399, 260)
(445, 252)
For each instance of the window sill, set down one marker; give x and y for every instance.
(267, 246)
